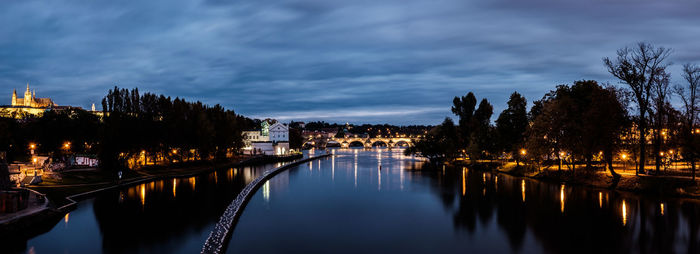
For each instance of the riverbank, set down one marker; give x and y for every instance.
(666, 186)
(64, 195)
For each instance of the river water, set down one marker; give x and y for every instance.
(376, 201)
(380, 201)
(165, 216)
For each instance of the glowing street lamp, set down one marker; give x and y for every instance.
(523, 152)
(66, 145)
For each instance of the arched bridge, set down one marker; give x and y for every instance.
(364, 142)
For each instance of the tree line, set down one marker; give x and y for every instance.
(133, 125)
(585, 121)
(172, 129)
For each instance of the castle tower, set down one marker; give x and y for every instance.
(14, 97)
(28, 97)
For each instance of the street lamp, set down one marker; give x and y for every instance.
(523, 152)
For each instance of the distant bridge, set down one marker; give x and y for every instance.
(364, 141)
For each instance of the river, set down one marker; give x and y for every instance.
(376, 201)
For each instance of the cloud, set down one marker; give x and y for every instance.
(328, 60)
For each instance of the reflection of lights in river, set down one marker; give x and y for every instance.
(561, 197)
(624, 213)
(483, 177)
(266, 191)
(662, 208)
(333, 168)
(464, 181)
(495, 183)
(522, 188)
(143, 194)
(401, 168)
(355, 169)
(193, 182)
(600, 199)
(174, 187)
(65, 218)
(216, 178)
(379, 180)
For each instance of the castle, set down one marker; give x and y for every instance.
(30, 100)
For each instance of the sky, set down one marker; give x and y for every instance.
(375, 61)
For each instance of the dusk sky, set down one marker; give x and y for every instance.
(398, 61)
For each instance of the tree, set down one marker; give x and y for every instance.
(439, 144)
(464, 108)
(583, 120)
(660, 111)
(481, 138)
(511, 125)
(689, 96)
(639, 67)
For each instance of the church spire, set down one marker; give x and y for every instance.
(27, 87)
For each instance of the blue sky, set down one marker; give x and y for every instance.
(395, 61)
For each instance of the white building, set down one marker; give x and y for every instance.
(269, 140)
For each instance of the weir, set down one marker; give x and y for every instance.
(218, 238)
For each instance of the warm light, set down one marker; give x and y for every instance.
(174, 187)
(522, 188)
(624, 213)
(464, 181)
(662, 208)
(143, 194)
(32, 146)
(65, 218)
(174, 151)
(561, 154)
(670, 151)
(523, 151)
(624, 156)
(34, 160)
(561, 197)
(66, 145)
(661, 153)
(600, 199)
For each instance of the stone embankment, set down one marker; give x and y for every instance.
(216, 243)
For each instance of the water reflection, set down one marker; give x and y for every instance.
(561, 198)
(163, 216)
(482, 210)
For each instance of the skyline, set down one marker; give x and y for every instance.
(363, 61)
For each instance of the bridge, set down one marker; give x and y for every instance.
(367, 142)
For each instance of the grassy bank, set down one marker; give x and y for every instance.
(672, 186)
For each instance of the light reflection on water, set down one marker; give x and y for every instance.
(316, 207)
(163, 216)
(437, 208)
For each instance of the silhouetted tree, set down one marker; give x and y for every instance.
(439, 144)
(512, 124)
(639, 67)
(689, 96)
